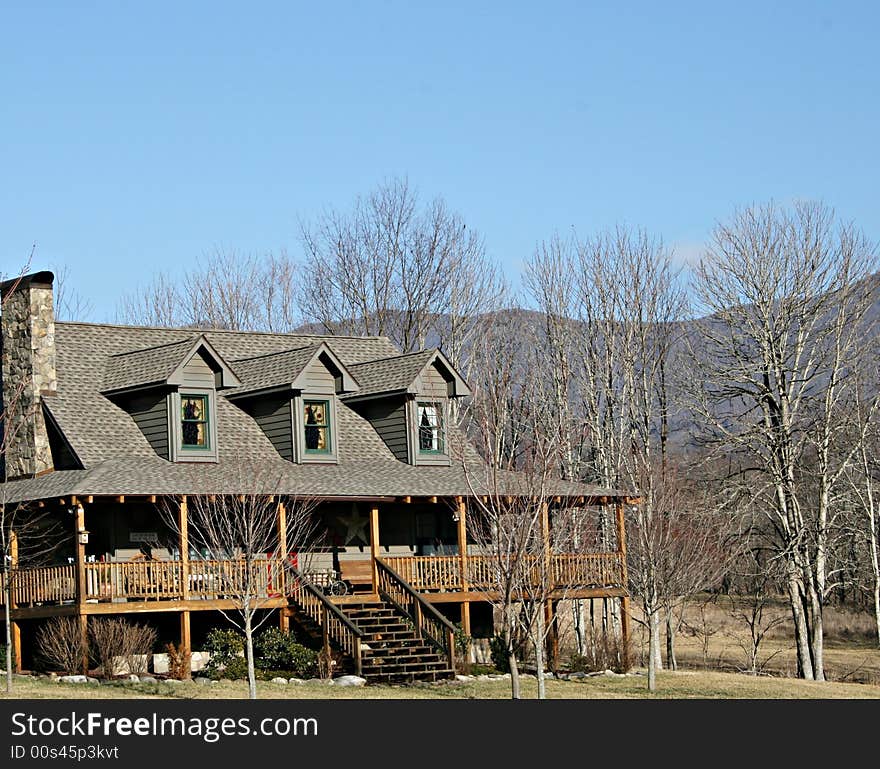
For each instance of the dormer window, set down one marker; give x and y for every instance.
(316, 425)
(430, 428)
(194, 422)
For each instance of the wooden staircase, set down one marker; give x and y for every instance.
(398, 638)
(392, 649)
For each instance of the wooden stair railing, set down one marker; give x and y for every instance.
(333, 623)
(429, 622)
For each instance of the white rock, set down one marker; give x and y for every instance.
(148, 680)
(77, 679)
(279, 680)
(462, 678)
(92, 680)
(132, 677)
(296, 681)
(349, 681)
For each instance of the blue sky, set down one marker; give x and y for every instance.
(135, 137)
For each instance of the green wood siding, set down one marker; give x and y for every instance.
(388, 418)
(272, 414)
(197, 373)
(150, 413)
(319, 380)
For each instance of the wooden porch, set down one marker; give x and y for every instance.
(439, 578)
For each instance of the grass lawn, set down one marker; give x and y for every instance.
(679, 685)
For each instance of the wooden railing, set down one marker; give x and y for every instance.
(429, 623)
(443, 572)
(46, 584)
(334, 624)
(223, 578)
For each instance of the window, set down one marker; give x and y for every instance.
(194, 425)
(316, 419)
(430, 423)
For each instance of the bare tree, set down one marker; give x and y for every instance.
(684, 547)
(786, 296)
(69, 303)
(242, 529)
(756, 580)
(225, 289)
(393, 267)
(612, 305)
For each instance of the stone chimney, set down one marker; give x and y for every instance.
(27, 348)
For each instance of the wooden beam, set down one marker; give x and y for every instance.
(90, 499)
(624, 601)
(183, 544)
(432, 500)
(79, 526)
(461, 510)
(73, 500)
(153, 498)
(283, 620)
(407, 500)
(466, 617)
(282, 531)
(15, 632)
(374, 546)
(121, 499)
(186, 638)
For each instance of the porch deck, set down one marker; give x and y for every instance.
(194, 581)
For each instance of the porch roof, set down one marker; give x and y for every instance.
(366, 478)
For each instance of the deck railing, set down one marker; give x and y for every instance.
(224, 578)
(429, 623)
(443, 572)
(335, 625)
(46, 584)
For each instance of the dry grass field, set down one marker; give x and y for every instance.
(711, 638)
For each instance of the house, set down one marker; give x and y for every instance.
(108, 425)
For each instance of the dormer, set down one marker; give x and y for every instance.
(170, 391)
(406, 399)
(292, 397)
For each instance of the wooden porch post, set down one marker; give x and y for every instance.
(14, 629)
(79, 527)
(374, 547)
(183, 528)
(282, 531)
(185, 638)
(282, 551)
(461, 508)
(624, 602)
(79, 549)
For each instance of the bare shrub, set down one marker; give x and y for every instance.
(179, 661)
(60, 645)
(115, 640)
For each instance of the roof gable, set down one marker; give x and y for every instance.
(163, 364)
(403, 373)
(286, 370)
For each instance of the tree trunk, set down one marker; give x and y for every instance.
(671, 662)
(875, 570)
(514, 674)
(795, 598)
(653, 648)
(249, 652)
(817, 633)
(538, 640)
(577, 615)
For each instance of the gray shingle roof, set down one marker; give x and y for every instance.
(144, 366)
(272, 369)
(393, 373)
(117, 459)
